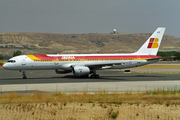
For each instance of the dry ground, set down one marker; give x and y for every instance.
(151, 105)
(88, 111)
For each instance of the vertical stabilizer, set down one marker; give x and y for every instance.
(151, 46)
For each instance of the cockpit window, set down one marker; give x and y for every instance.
(11, 61)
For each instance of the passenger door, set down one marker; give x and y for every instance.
(23, 61)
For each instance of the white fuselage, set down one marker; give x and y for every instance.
(23, 62)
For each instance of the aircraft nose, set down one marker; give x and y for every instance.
(5, 66)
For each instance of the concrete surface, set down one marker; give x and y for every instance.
(110, 80)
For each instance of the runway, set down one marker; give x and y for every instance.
(110, 80)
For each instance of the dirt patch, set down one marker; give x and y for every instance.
(88, 111)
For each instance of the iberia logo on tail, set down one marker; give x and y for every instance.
(153, 43)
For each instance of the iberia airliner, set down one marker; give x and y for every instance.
(85, 64)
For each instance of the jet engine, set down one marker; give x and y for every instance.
(59, 71)
(81, 70)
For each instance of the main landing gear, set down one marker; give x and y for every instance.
(23, 74)
(94, 75)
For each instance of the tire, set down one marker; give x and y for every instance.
(97, 76)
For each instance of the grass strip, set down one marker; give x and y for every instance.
(171, 96)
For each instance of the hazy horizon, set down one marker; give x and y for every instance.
(81, 16)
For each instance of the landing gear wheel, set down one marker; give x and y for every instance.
(24, 77)
(95, 76)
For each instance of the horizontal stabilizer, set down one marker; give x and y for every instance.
(171, 57)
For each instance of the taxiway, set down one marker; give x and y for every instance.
(110, 80)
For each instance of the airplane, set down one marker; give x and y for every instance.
(85, 64)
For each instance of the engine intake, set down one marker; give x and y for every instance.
(80, 70)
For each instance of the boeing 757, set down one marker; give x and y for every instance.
(85, 64)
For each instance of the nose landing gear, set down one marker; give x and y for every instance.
(23, 74)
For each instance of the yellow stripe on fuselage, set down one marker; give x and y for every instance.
(141, 58)
(32, 57)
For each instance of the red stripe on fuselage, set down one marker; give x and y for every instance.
(45, 57)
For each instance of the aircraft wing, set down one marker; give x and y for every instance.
(100, 65)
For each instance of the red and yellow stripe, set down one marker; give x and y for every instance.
(90, 58)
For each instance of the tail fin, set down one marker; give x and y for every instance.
(151, 46)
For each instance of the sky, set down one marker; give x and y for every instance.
(90, 16)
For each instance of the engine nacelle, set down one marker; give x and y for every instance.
(81, 70)
(59, 71)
